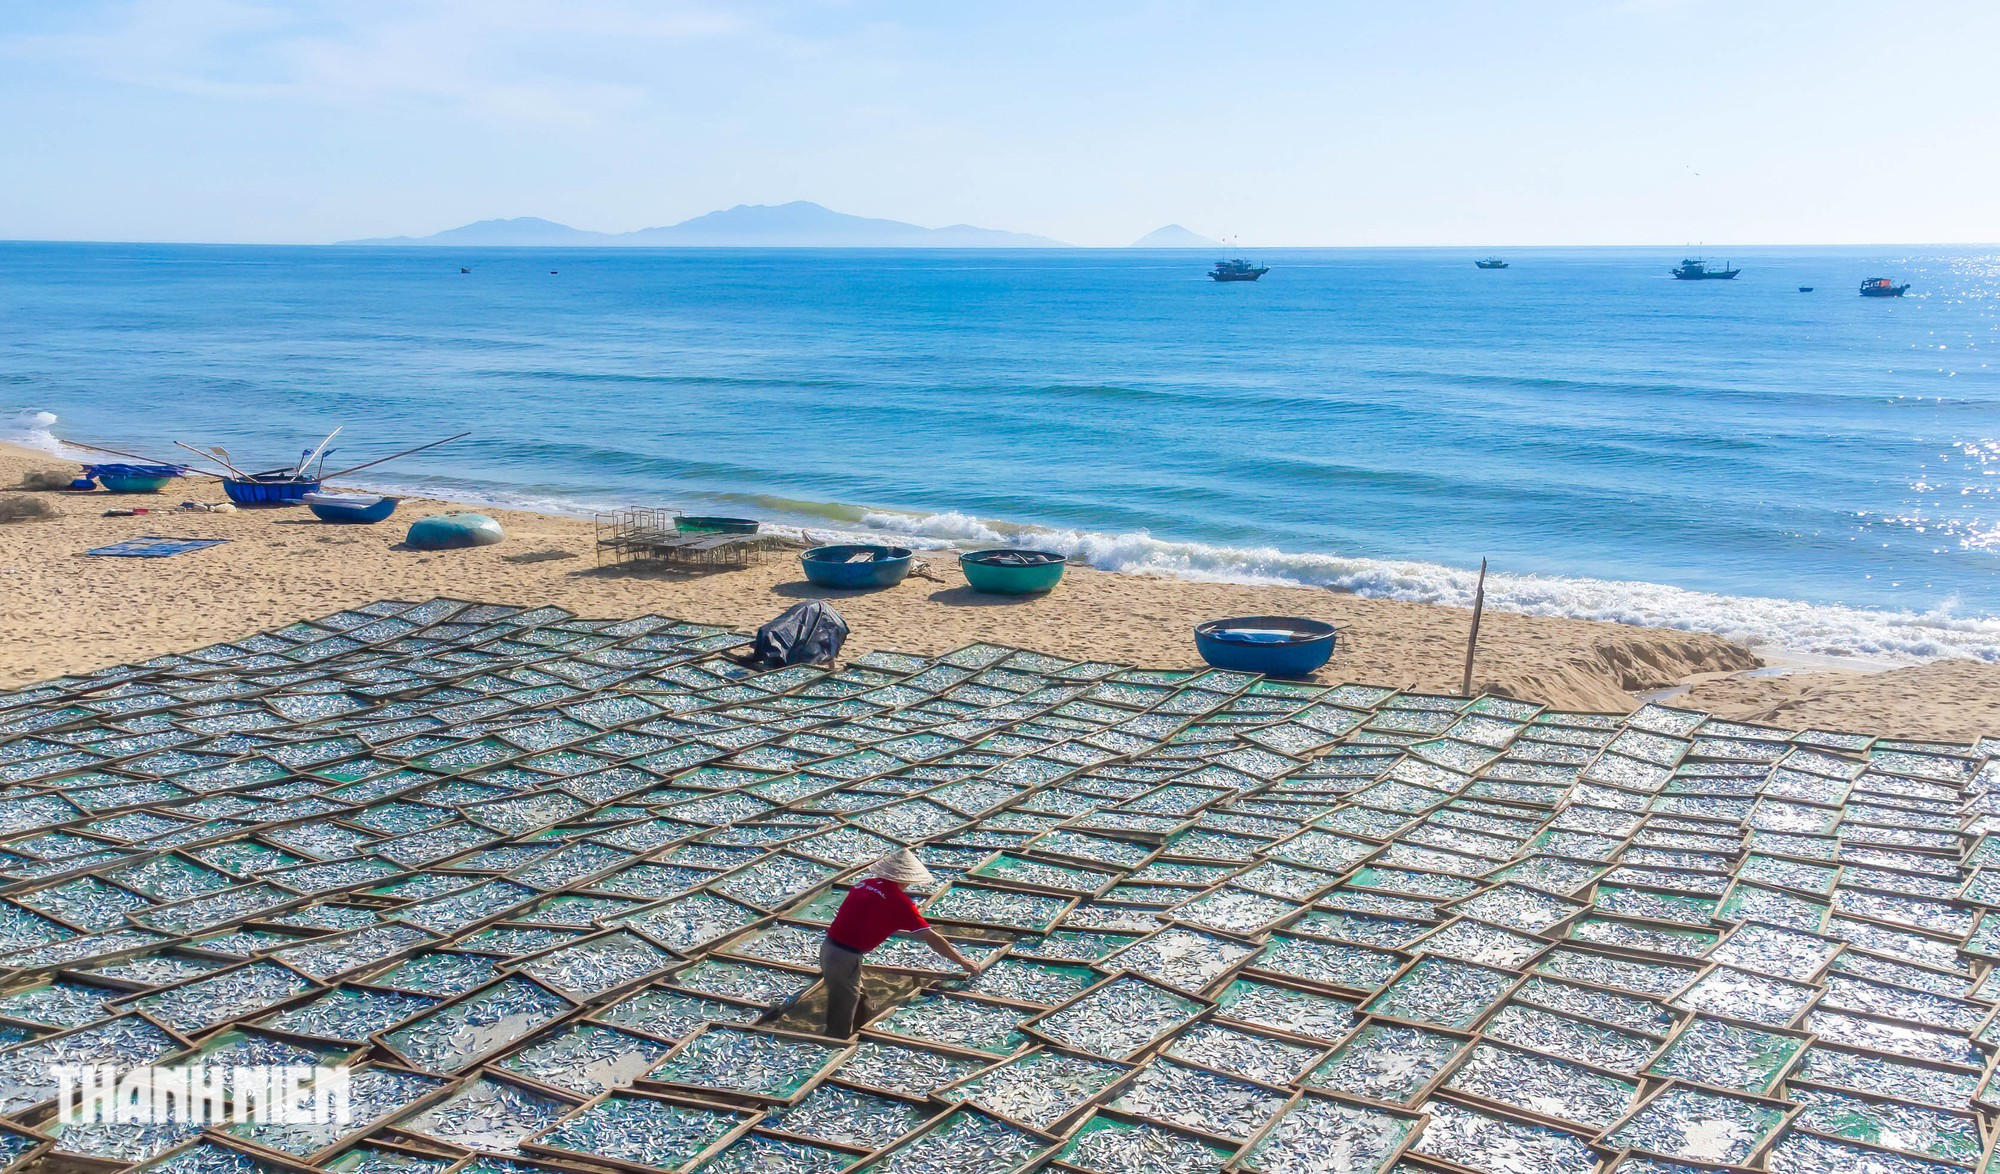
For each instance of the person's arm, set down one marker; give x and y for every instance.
(946, 950)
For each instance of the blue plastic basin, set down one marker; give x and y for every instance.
(1012, 572)
(1276, 646)
(857, 566)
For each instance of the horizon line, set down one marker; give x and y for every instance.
(419, 243)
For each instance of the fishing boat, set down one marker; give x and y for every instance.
(1882, 287)
(290, 485)
(1696, 269)
(1012, 572)
(1237, 270)
(132, 478)
(273, 487)
(1277, 646)
(1491, 263)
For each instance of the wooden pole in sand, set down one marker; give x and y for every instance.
(1472, 642)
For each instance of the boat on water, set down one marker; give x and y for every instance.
(1491, 263)
(1882, 287)
(1696, 269)
(1237, 270)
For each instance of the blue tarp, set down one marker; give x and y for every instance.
(135, 471)
(154, 547)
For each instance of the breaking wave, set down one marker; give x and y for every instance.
(1785, 624)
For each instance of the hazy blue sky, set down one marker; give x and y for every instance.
(1317, 122)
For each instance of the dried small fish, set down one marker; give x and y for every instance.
(963, 1142)
(1118, 1019)
(1387, 1062)
(845, 1116)
(645, 1131)
(1481, 1141)
(460, 1034)
(750, 1063)
(1208, 1102)
(1550, 1088)
(1317, 1135)
(1701, 1126)
(1037, 1088)
(1105, 1145)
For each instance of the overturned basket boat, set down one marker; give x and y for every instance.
(350, 508)
(1276, 646)
(709, 524)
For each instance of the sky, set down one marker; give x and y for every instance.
(1323, 122)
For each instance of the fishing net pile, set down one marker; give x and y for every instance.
(551, 890)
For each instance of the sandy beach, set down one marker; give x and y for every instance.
(63, 613)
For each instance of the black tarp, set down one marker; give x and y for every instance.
(804, 633)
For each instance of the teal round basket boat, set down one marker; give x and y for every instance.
(1012, 572)
(454, 532)
(142, 483)
(133, 478)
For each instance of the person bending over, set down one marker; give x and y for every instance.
(871, 912)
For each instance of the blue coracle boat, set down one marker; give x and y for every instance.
(855, 567)
(1277, 646)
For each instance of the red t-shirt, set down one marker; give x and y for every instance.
(872, 911)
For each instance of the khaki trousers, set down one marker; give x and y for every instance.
(840, 967)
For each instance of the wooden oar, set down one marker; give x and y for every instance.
(135, 456)
(392, 456)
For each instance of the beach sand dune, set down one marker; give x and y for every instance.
(62, 613)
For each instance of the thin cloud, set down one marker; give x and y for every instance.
(507, 60)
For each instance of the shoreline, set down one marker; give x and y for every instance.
(66, 614)
(1782, 630)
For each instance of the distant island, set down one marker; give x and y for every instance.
(799, 224)
(1173, 236)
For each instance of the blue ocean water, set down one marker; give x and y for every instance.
(1814, 470)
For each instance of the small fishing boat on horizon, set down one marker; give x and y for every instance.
(1237, 270)
(1883, 287)
(1696, 269)
(1491, 263)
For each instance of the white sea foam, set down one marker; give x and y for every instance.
(1784, 624)
(952, 526)
(31, 429)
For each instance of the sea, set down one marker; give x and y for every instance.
(1812, 472)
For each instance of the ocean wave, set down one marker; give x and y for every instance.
(951, 526)
(31, 428)
(1785, 625)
